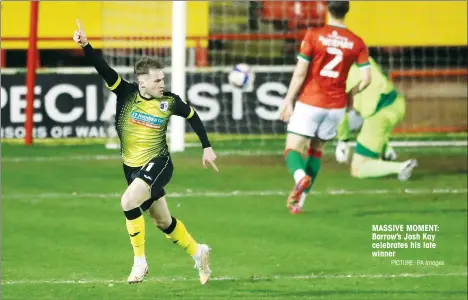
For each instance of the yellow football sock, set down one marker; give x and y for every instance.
(180, 236)
(136, 230)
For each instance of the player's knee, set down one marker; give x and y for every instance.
(296, 143)
(132, 198)
(356, 164)
(315, 148)
(316, 145)
(354, 171)
(159, 214)
(162, 223)
(293, 147)
(127, 201)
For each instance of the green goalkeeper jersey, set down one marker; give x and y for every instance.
(379, 94)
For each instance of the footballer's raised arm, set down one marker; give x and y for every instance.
(110, 76)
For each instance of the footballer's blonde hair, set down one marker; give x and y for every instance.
(145, 64)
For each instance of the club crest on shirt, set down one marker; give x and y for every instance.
(164, 105)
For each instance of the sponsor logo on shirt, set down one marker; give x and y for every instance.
(146, 120)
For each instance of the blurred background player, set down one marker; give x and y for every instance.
(325, 57)
(143, 113)
(379, 108)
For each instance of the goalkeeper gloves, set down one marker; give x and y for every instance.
(390, 154)
(342, 152)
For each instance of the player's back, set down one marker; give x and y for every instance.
(331, 51)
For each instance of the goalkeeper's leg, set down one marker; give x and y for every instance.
(368, 167)
(371, 141)
(394, 113)
(175, 231)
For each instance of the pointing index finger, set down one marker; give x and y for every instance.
(79, 25)
(213, 165)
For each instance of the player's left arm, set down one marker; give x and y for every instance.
(184, 110)
(364, 66)
(302, 67)
(299, 75)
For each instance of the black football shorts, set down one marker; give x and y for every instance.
(156, 173)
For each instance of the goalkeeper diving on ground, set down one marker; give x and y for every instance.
(374, 113)
(142, 115)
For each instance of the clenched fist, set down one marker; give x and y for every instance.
(80, 36)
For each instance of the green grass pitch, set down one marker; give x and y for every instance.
(64, 235)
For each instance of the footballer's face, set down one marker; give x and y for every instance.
(152, 84)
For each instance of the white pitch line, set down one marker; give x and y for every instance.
(219, 153)
(213, 194)
(60, 158)
(118, 157)
(228, 278)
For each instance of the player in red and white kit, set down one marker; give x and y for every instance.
(325, 57)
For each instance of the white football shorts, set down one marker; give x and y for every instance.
(312, 121)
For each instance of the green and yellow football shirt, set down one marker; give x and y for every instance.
(141, 123)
